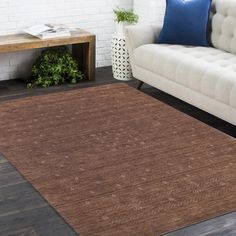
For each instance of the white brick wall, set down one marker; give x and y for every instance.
(93, 15)
(150, 11)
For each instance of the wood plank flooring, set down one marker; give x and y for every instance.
(22, 209)
(220, 226)
(24, 212)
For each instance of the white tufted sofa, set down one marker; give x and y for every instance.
(204, 77)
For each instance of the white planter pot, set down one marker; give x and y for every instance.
(120, 59)
(120, 28)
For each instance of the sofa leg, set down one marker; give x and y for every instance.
(140, 84)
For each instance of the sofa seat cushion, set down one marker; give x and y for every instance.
(207, 70)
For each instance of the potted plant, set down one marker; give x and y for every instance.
(123, 18)
(55, 66)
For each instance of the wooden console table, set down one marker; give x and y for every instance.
(83, 47)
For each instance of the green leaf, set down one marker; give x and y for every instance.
(53, 67)
(128, 16)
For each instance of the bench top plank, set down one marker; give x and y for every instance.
(19, 42)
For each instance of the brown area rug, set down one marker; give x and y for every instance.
(113, 161)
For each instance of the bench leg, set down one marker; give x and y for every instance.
(85, 53)
(140, 84)
(91, 59)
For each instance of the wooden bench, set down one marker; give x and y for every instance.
(83, 47)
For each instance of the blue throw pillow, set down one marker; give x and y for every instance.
(186, 22)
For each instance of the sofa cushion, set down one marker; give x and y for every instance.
(186, 22)
(223, 34)
(207, 70)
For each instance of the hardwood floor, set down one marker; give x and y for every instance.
(220, 226)
(22, 209)
(24, 212)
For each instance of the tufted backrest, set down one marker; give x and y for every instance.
(223, 35)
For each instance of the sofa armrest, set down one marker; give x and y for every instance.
(138, 35)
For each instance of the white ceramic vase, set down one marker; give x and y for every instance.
(120, 59)
(120, 28)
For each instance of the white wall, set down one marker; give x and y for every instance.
(93, 15)
(150, 11)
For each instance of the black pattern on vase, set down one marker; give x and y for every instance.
(120, 59)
